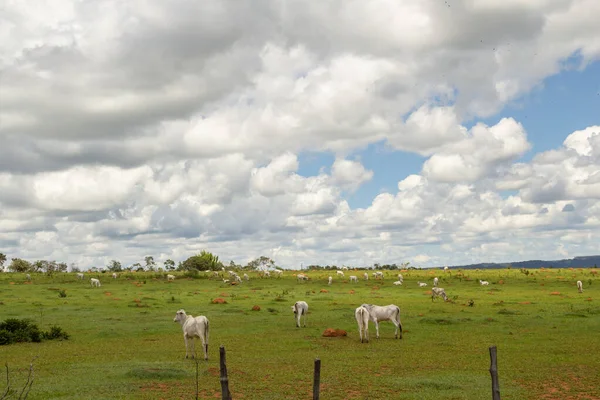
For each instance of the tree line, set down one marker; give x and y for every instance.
(203, 261)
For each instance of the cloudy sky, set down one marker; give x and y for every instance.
(332, 132)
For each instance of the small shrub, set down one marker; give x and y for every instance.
(56, 332)
(62, 293)
(15, 330)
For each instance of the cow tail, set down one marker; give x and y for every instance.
(206, 336)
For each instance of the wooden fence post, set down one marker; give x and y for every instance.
(317, 379)
(225, 394)
(494, 374)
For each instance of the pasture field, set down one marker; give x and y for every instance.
(125, 345)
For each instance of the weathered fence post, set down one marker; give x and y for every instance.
(317, 379)
(225, 394)
(494, 374)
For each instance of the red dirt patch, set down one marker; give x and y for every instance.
(588, 299)
(213, 371)
(500, 282)
(568, 385)
(351, 292)
(375, 288)
(427, 292)
(324, 291)
(256, 308)
(108, 293)
(525, 302)
(555, 293)
(219, 300)
(420, 315)
(224, 295)
(330, 332)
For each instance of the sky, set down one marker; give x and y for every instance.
(337, 132)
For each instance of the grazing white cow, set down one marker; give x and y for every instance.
(353, 278)
(390, 312)
(435, 281)
(302, 277)
(246, 277)
(79, 275)
(267, 273)
(95, 282)
(400, 278)
(329, 280)
(580, 286)
(362, 318)
(114, 275)
(397, 283)
(300, 308)
(340, 273)
(278, 272)
(193, 328)
(170, 277)
(422, 284)
(438, 291)
(344, 268)
(378, 274)
(28, 277)
(445, 268)
(366, 276)
(483, 283)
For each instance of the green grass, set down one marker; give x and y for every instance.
(125, 345)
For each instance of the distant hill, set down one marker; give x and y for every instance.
(577, 262)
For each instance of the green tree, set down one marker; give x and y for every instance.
(169, 265)
(2, 260)
(150, 264)
(38, 266)
(114, 266)
(202, 262)
(261, 262)
(20, 265)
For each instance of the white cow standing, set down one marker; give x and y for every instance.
(435, 281)
(329, 280)
(79, 275)
(438, 291)
(193, 328)
(362, 318)
(390, 312)
(366, 276)
(95, 282)
(300, 308)
(483, 283)
(353, 278)
(580, 286)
